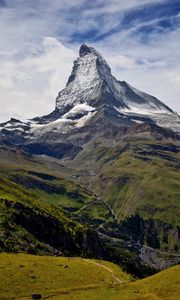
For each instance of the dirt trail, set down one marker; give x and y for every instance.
(117, 280)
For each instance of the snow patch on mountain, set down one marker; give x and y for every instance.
(77, 117)
(139, 110)
(137, 121)
(61, 125)
(84, 120)
(161, 117)
(79, 109)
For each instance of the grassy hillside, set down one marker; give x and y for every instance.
(144, 179)
(142, 187)
(30, 224)
(75, 278)
(27, 274)
(46, 180)
(163, 286)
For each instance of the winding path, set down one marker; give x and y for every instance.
(106, 268)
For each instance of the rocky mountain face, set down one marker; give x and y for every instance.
(121, 145)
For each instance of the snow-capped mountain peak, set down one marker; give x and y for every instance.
(91, 83)
(92, 94)
(85, 83)
(86, 49)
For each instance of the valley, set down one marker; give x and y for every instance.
(89, 194)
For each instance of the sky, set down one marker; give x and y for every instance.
(40, 39)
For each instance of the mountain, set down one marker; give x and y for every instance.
(93, 97)
(107, 160)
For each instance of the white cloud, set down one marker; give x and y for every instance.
(29, 86)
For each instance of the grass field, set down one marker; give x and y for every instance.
(22, 275)
(60, 278)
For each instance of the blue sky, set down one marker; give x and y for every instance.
(140, 39)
